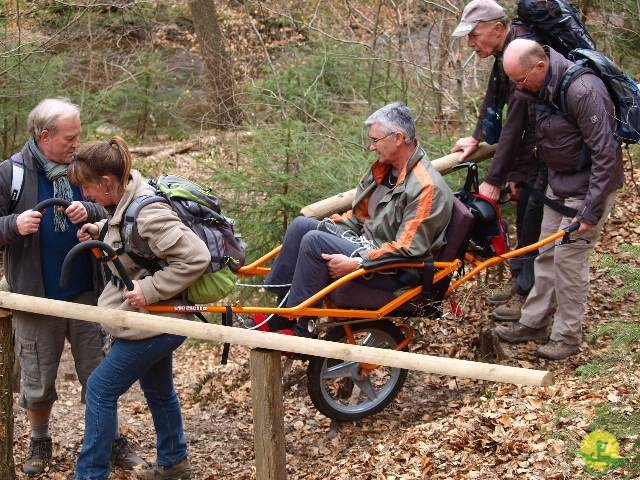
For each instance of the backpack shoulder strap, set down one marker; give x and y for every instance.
(573, 72)
(17, 179)
(133, 244)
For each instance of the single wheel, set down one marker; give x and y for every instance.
(339, 390)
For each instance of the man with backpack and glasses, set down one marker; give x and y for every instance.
(584, 159)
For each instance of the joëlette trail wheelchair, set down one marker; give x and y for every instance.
(359, 315)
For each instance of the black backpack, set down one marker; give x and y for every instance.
(557, 22)
(624, 91)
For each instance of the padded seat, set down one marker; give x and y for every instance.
(357, 294)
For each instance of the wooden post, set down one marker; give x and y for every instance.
(268, 414)
(7, 470)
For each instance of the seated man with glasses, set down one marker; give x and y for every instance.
(402, 208)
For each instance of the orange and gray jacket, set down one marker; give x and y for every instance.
(411, 218)
(580, 150)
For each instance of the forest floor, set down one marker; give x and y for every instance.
(438, 427)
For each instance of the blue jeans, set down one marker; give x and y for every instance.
(149, 361)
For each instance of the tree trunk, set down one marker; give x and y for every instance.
(224, 108)
(7, 470)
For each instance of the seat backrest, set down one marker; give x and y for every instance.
(458, 232)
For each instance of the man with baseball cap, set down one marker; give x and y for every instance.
(475, 12)
(489, 31)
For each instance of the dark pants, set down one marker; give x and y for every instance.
(300, 262)
(528, 219)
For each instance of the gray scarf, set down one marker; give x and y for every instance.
(57, 174)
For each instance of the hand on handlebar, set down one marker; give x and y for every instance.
(466, 145)
(584, 227)
(135, 297)
(28, 222)
(87, 231)
(76, 212)
(489, 191)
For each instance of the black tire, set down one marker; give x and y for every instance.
(334, 386)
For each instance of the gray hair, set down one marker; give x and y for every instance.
(47, 114)
(394, 117)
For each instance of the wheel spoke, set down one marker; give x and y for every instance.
(367, 388)
(373, 340)
(341, 370)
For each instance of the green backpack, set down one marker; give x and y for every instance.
(199, 209)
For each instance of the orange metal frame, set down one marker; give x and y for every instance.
(304, 309)
(258, 267)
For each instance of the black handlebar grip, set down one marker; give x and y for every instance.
(88, 245)
(50, 202)
(572, 227)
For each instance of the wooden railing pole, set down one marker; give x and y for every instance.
(268, 414)
(7, 469)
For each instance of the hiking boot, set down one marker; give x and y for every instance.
(39, 456)
(518, 333)
(123, 456)
(510, 311)
(556, 350)
(501, 296)
(179, 471)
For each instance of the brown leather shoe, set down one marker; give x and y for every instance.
(556, 350)
(518, 333)
(498, 297)
(123, 456)
(179, 471)
(510, 311)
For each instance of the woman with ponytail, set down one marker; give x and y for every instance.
(103, 171)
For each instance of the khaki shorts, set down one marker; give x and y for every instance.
(39, 345)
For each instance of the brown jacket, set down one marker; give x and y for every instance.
(583, 156)
(514, 157)
(187, 256)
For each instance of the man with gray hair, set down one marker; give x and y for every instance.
(402, 207)
(35, 244)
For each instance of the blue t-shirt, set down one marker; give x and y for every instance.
(54, 246)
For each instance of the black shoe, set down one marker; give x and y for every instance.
(123, 456)
(39, 456)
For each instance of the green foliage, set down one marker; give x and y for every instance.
(621, 424)
(561, 412)
(629, 273)
(143, 106)
(278, 171)
(624, 334)
(23, 80)
(319, 88)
